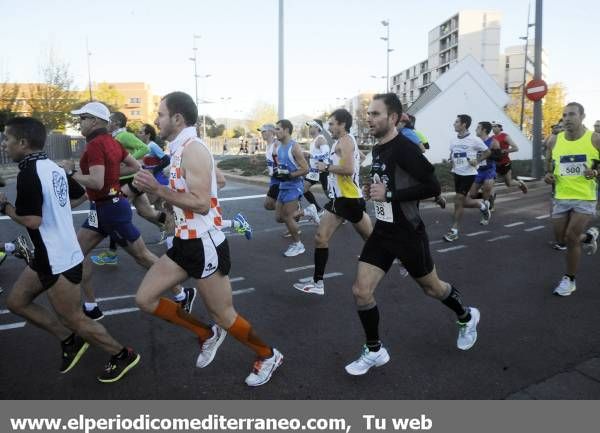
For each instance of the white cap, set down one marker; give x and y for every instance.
(96, 109)
(314, 124)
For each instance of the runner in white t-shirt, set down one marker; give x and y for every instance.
(466, 152)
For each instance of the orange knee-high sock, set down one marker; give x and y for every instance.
(172, 312)
(242, 331)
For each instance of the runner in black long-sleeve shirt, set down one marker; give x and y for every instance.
(401, 176)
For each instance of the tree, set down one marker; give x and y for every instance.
(134, 125)
(238, 132)
(552, 108)
(8, 96)
(108, 95)
(52, 100)
(261, 114)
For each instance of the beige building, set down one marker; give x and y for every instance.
(139, 103)
(513, 65)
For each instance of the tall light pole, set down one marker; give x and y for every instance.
(280, 105)
(87, 49)
(195, 60)
(203, 102)
(536, 154)
(527, 60)
(383, 77)
(386, 24)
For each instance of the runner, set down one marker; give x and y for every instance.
(268, 134)
(486, 172)
(466, 153)
(504, 165)
(42, 206)
(401, 176)
(572, 160)
(110, 212)
(200, 249)
(319, 152)
(346, 202)
(289, 169)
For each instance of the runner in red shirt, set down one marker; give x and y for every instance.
(504, 166)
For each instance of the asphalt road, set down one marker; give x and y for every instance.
(506, 269)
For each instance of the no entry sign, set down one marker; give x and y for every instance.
(536, 90)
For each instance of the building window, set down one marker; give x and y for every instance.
(135, 100)
(135, 113)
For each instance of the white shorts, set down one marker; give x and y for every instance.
(560, 208)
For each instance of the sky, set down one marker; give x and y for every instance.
(332, 47)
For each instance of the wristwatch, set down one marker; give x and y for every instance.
(388, 196)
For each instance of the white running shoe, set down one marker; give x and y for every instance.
(367, 360)
(467, 332)
(263, 369)
(210, 346)
(294, 249)
(311, 213)
(592, 246)
(317, 288)
(565, 287)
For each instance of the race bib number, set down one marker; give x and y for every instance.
(483, 163)
(93, 219)
(572, 165)
(460, 159)
(383, 211)
(313, 174)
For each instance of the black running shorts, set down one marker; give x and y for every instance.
(351, 209)
(412, 249)
(273, 191)
(201, 258)
(462, 184)
(503, 169)
(48, 280)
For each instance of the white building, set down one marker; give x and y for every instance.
(468, 33)
(512, 64)
(466, 88)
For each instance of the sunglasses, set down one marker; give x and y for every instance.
(82, 118)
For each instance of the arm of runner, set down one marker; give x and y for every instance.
(221, 181)
(549, 177)
(512, 146)
(418, 167)
(129, 166)
(94, 180)
(320, 141)
(197, 166)
(327, 136)
(27, 210)
(346, 150)
(301, 160)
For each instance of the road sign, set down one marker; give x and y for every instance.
(536, 90)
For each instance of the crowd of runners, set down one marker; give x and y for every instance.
(176, 188)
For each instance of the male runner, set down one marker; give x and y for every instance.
(572, 160)
(401, 176)
(290, 168)
(346, 202)
(504, 165)
(42, 206)
(486, 172)
(200, 249)
(110, 212)
(318, 152)
(466, 153)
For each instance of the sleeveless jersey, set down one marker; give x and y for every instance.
(341, 185)
(286, 161)
(317, 155)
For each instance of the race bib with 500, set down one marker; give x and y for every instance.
(572, 165)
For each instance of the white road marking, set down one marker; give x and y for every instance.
(242, 291)
(514, 224)
(478, 233)
(498, 238)
(114, 298)
(236, 279)
(12, 326)
(446, 250)
(301, 268)
(542, 217)
(330, 275)
(532, 229)
(435, 242)
(120, 311)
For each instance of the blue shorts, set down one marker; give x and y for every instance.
(482, 176)
(290, 194)
(161, 178)
(113, 218)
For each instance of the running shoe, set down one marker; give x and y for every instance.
(440, 201)
(72, 353)
(321, 213)
(523, 187)
(559, 247)
(591, 247)
(485, 213)
(105, 258)
(368, 359)
(287, 234)
(208, 348)
(311, 213)
(2, 257)
(22, 249)
(565, 287)
(467, 332)
(163, 236)
(294, 249)
(263, 369)
(116, 367)
(492, 202)
(190, 295)
(451, 236)
(95, 314)
(243, 227)
(317, 288)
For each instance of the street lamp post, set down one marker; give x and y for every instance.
(280, 104)
(536, 154)
(195, 60)
(527, 60)
(386, 24)
(203, 102)
(87, 49)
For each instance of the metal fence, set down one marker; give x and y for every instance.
(58, 147)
